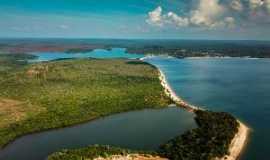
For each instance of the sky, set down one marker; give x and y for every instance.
(139, 19)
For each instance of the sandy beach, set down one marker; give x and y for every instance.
(177, 100)
(131, 157)
(238, 142)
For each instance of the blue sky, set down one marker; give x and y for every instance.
(177, 19)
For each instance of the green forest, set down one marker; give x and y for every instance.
(42, 96)
(211, 139)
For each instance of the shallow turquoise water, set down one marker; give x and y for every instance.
(235, 85)
(97, 53)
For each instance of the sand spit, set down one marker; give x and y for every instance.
(177, 100)
(238, 142)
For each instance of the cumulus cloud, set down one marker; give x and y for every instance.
(208, 13)
(255, 3)
(214, 14)
(230, 22)
(259, 10)
(155, 17)
(237, 5)
(177, 20)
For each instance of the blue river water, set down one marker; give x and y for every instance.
(236, 85)
(97, 53)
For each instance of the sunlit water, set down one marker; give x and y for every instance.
(97, 53)
(235, 85)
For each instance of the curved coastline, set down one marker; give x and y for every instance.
(240, 139)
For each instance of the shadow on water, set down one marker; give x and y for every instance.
(143, 130)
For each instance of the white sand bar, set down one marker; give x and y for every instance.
(238, 142)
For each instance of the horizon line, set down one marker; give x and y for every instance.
(111, 38)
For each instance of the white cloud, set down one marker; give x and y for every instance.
(259, 8)
(254, 4)
(207, 14)
(177, 20)
(230, 22)
(155, 17)
(237, 5)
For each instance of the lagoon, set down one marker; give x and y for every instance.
(140, 130)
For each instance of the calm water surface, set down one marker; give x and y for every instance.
(143, 130)
(235, 85)
(97, 53)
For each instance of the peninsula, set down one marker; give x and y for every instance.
(219, 136)
(240, 138)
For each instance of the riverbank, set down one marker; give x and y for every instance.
(239, 141)
(70, 92)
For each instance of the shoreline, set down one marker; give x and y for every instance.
(238, 143)
(171, 94)
(206, 57)
(240, 139)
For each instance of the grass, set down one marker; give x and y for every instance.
(62, 93)
(12, 111)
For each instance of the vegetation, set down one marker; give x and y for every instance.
(36, 97)
(12, 61)
(211, 139)
(66, 92)
(92, 152)
(177, 48)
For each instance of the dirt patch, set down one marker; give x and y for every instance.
(12, 111)
(131, 157)
(38, 71)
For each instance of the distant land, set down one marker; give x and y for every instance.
(176, 48)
